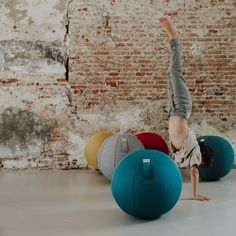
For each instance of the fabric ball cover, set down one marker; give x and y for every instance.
(92, 147)
(153, 141)
(114, 149)
(146, 184)
(223, 158)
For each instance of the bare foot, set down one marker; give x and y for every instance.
(168, 27)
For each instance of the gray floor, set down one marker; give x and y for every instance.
(41, 203)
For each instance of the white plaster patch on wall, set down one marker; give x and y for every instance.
(2, 60)
(76, 148)
(17, 68)
(29, 19)
(45, 68)
(33, 150)
(123, 118)
(128, 119)
(43, 11)
(120, 120)
(13, 96)
(32, 32)
(27, 77)
(196, 51)
(16, 164)
(8, 99)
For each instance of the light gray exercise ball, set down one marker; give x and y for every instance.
(114, 149)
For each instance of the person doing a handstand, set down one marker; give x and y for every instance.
(186, 150)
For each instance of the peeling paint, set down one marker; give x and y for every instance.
(53, 102)
(196, 51)
(32, 20)
(124, 118)
(32, 63)
(40, 11)
(32, 56)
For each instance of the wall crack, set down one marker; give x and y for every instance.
(67, 40)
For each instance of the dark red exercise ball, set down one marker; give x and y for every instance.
(153, 141)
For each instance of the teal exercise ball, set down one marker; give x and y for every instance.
(222, 157)
(146, 184)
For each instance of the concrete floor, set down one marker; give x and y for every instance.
(66, 203)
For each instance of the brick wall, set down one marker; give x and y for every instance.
(71, 68)
(119, 53)
(119, 57)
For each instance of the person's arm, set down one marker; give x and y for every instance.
(194, 182)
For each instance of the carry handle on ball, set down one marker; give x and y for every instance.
(125, 148)
(147, 171)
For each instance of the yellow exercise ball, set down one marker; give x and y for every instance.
(92, 147)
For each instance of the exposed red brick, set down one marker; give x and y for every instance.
(114, 74)
(111, 83)
(140, 73)
(132, 61)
